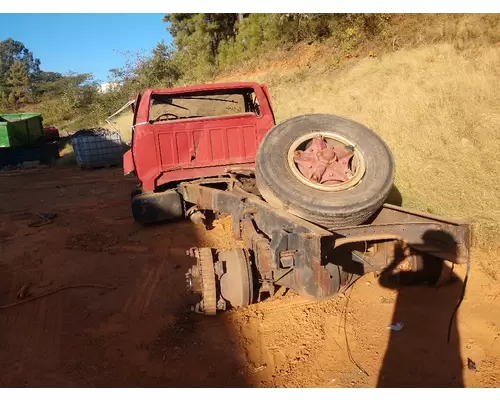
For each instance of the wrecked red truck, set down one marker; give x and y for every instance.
(307, 196)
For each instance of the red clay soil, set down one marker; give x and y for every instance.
(141, 333)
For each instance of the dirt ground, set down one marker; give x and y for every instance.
(140, 333)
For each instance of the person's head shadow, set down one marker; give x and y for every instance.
(428, 290)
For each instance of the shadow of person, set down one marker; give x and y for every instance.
(419, 355)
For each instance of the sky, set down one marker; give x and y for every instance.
(84, 43)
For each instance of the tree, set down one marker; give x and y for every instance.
(10, 51)
(46, 77)
(216, 27)
(197, 38)
(17, 68)
(207, 43)
(17, 84)
(43, 82)
(160, 69)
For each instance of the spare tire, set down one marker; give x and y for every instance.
(326, 169)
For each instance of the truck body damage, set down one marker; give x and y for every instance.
(201, 161)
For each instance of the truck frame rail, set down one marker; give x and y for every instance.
(316, 262)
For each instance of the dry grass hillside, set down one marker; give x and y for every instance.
(436, 107)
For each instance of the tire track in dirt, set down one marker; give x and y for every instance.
(47, 331)
(136, 303)
(139, 302)
(34, 330)
(136, 324)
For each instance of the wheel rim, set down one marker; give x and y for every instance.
(326, 161)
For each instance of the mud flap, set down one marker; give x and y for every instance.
(128, 163)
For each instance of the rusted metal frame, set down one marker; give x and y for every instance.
(453, 236)
(267, 218)
(391, 213)
(249, 171)
(445, 241)
(377, 258)
(259, 244)
(291, 239)
(246, 209)
(314, 261)
(206, 181)
(290, 249)
(262, 255)
(446, 238)
(309, 277)
(288, 234)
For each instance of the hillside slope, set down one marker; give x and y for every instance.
(438, 108)
(436, 105)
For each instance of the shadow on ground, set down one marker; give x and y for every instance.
(142, 334)
(418, 355)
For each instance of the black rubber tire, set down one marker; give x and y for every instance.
(349, 207)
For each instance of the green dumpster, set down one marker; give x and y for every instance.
(23, 129)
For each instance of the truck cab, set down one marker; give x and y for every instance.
(196, 131)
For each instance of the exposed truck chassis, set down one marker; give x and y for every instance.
(288, 251)
(306, 195)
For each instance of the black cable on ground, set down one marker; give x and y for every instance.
(345, 334)
(95, 285)
(462, 295)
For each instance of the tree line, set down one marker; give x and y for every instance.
(204, 44)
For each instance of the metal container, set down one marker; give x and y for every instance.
(22, 129)
(98, 148)
(15, 157)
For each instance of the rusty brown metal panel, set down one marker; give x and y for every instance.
(446, 238)
(389, 213)
(267, 218)
(447, 241)
(259, 244)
